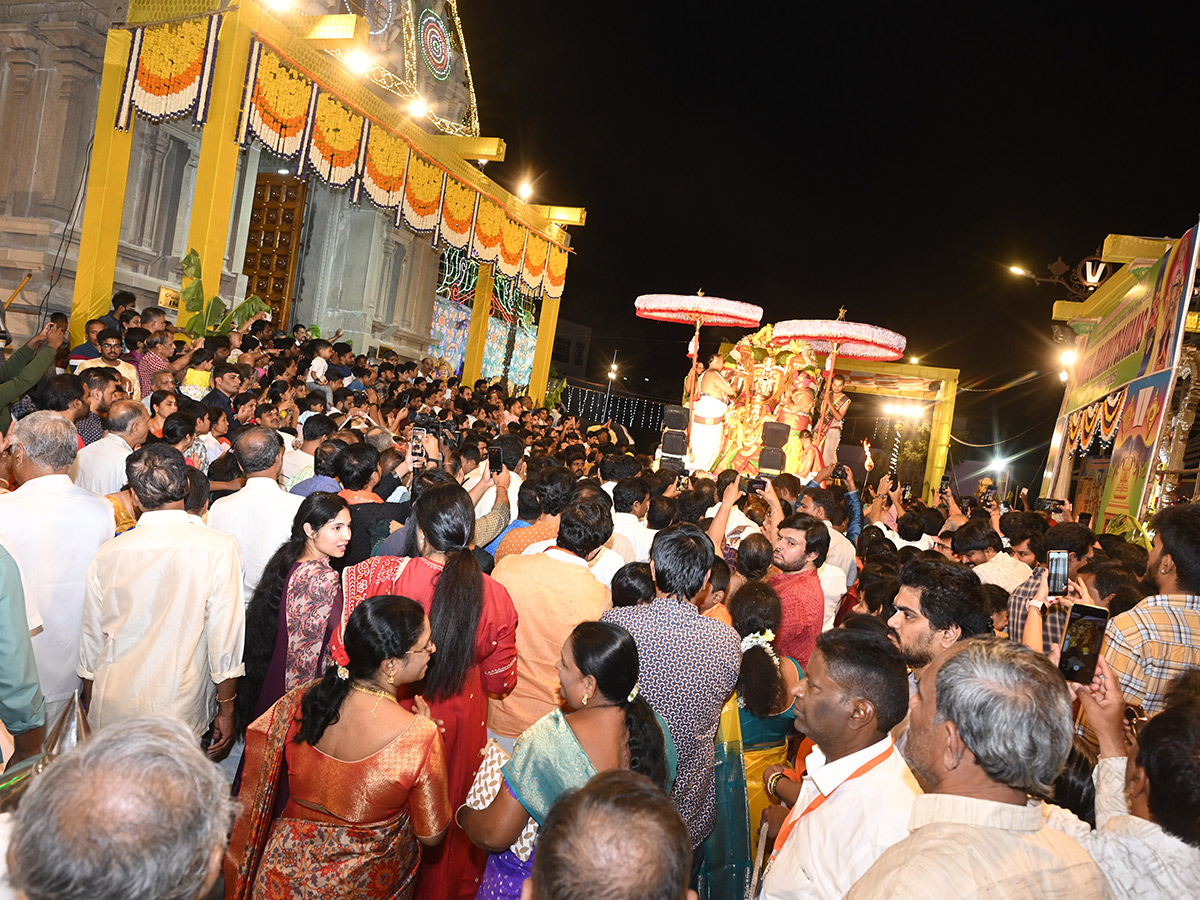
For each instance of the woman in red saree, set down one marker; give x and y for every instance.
(474, 625)
(366, 776)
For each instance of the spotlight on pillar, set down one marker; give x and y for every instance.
(525, 190)
(417, 109)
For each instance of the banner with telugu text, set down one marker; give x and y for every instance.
(1142, 335)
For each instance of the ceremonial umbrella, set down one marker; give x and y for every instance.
(699, 310)
(837, 336)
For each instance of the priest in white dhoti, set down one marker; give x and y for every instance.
(708, 416)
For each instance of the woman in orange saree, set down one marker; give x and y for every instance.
(367, 781)
(474, 625)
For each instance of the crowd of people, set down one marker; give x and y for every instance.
(349, 627)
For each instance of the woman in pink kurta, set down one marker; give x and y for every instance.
(474, 627)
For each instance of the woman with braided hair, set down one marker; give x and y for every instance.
(764, 692)
(607, 724)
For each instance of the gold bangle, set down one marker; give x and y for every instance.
(771, 783)
(227, 699)
(456, 812)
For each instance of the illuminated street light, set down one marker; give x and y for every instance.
(1017, 270)
(1068, 357)
(998, 464)
(1063, 376)
(525, 190)
(914, 360)
(417, 109)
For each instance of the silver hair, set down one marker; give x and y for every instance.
(49, 439)
(380, 438)
(1012, 709)
(134, 814)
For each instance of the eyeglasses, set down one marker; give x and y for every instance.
(430, 648)
(116, 345)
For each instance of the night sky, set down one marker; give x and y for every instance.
(805, 158)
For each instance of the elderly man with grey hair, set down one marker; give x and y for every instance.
(100, 467)
(54, 528)
(990, 725)
(163, 617)
(136, 813)
(259, 516)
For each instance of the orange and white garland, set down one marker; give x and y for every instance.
(294, 117)
(170, 71)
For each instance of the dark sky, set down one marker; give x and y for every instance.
(805, 158)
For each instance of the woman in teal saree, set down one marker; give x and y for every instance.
(561, 752)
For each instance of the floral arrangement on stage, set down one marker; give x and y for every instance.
(170, 71)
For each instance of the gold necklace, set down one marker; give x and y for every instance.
(378, 694)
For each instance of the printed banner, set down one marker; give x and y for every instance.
(1143, 334)
(1146, 403)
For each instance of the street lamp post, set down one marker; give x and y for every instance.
(612, 376)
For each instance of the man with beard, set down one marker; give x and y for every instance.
(990, 725)
(1159, 639)
(939, 603)
(857, 793)
(937, 606)
(799, 551)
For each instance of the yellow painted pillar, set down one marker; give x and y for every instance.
(216, 170)
(547, 326)
(939, 437)
(105, 201)
(481, 314)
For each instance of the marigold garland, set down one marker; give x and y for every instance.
(512, 247)
(169, 72)
(485, 242)
(458, 213)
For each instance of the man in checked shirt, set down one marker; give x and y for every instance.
(1158, 639)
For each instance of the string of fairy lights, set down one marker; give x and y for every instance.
(632, 412)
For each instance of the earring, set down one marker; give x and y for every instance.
(585, 699)
(391, 678)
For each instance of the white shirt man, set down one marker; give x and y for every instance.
(856, 797)
(1006, 571)
(100, 467)
(56, 528)
(163, 617)
(259, 516)
(841, 551)
(604, 565)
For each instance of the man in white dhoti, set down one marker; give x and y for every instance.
(708, 415)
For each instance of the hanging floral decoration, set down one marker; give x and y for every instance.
(385, 164)
(338, 135)
(533, 268)
(459, 203)
(556, 273)
(485, 240)
(277, 105)
(421, 208)
(170, 71)
(512, 247)
(1100, 419)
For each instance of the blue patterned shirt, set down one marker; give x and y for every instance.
(688, 667)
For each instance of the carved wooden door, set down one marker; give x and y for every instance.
(273, 242)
